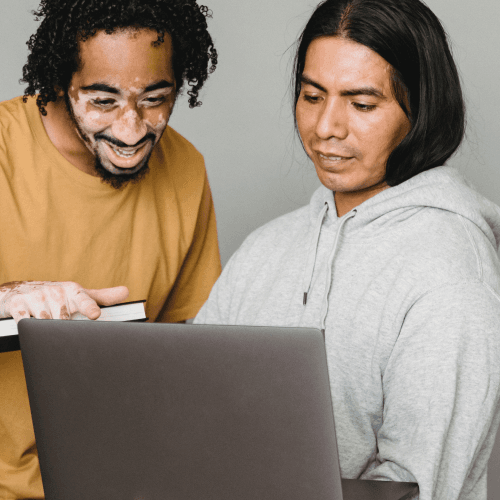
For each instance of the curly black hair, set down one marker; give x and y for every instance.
(54, 55)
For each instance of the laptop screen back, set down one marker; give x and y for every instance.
(187, 412)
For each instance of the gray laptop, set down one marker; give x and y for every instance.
(183, 412)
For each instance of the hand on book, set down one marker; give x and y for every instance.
(55, 299)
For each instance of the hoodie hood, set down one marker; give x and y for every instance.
(443, 188)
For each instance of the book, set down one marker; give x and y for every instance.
(126, 311)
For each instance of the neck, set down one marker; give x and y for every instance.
(62, 133)
(346, 201)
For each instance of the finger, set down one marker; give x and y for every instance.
(85, 305)
(43, 300)
(64, 312)
(56, 298)
(108, 296)
(33, 303)
(59, 310)
(19, 315)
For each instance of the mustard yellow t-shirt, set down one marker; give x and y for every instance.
(158, 237)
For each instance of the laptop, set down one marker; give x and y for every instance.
(146, 411)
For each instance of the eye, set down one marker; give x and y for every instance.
(154, 101)
(103, 103)
(312, 99)
(364, 107)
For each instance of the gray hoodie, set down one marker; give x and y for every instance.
(406, 287)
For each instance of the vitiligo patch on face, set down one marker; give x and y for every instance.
(86, 117)
(160, 125)
(93, 117)
(123, 92)
(129, 127)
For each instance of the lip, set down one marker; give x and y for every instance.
(332, 156)
(122, 162)
(333, 163)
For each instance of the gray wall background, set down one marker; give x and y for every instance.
(245, 129)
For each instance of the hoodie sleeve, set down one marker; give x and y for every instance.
(217, 309)
(441, 393)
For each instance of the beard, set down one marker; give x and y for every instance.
(117, 181)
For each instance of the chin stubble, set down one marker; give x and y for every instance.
(118, 181)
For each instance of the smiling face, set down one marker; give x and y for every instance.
(121, 98)
(348, 118)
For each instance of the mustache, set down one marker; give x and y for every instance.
(148, 137)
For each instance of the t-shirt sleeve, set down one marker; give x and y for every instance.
(200, 269)
(441, 393)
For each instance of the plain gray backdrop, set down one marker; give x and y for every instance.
(244, 128)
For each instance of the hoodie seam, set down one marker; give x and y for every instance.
(376, 234)
(491, 290)
(474, 247)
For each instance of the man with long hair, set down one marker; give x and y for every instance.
(394, 259)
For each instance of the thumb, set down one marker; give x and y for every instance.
(108, 296)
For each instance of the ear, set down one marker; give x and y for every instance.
(59, 91)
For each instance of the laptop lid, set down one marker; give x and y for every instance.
(145, 411)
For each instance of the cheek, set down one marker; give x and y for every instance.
(305, 122)
(94, 121)
(391, 136)
(376, 136)
(158, 121)
(90, 120)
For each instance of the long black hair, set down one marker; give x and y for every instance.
(54, 56)
(425, 79)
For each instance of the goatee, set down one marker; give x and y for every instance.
(118, 181)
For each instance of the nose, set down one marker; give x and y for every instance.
(332, 120)
(129, 127)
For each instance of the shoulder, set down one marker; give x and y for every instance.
(279, 233)
(16, 134)
(178, 167)
(441, 249)
(469, 310)
(261, 259)
(11, 107)
(13, 112)
(179, 152)
(275, 242)
(270, 250)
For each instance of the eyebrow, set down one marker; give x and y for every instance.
(371, 91)
(102, 87)
(162, 84)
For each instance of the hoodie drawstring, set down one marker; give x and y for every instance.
(329, 272)
(311, 261)
(313, 250)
